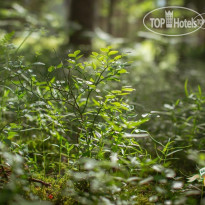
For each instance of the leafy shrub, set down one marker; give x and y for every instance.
(80, 142)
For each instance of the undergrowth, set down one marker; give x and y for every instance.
(68, 138)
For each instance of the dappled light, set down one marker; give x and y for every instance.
(102, 102)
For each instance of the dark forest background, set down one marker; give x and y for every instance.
(161, 65)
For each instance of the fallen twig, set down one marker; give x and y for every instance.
(39, 181)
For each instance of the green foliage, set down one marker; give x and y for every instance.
(53, 120)
(183, 121)
(71, 139)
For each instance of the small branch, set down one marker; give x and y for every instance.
(39, 181)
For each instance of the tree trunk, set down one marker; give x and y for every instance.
(82, 16)
(110, 16)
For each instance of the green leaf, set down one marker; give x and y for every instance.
(77, 52)
(51, 68)
(112, 53)
(110, 96)
(80, 65)
(78, 57)
(52, 80)
(71, 61)
(32, 78)
(94, 66)
(71, 55)
(105, 50)
(82, 103)
(185, 88)
(199, 88)
(41, 83)
(38, 63)
(91, 80)
(118, 57)
(123, 94)
(134, 124)
(46, 139)
(117, 104)
(128, 89)
(122, 71)
(60, 65)
(95, 54)
(116, 91)
(12, 134)
(96, 102)
(179, 150)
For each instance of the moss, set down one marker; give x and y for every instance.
(54, 192)
(143, 200)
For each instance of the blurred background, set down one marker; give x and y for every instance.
(50, 29)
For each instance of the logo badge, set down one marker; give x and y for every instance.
(173, 21)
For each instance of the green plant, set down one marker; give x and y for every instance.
(80, 141)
